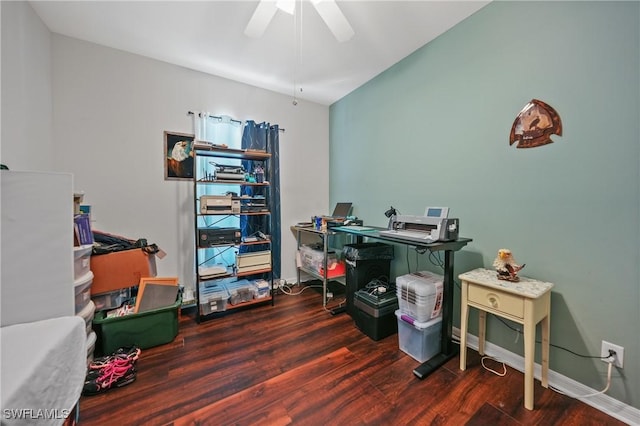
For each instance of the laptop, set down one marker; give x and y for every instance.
(341, 211)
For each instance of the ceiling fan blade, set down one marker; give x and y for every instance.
(334, 18)
(260, 19)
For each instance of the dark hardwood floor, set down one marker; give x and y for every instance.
(294, 363)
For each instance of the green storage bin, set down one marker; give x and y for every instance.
(145, 330)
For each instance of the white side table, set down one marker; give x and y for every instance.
(527, 302)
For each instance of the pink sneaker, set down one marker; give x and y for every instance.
(110, 377)
(123, 356)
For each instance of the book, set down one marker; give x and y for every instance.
(82, 228)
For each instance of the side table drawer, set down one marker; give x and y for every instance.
(496, 300)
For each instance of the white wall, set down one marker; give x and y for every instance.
(26, 140)
(109, 112)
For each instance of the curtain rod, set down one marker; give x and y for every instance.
(214, 116)
(220, 118)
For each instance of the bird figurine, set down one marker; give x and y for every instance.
(506, 266)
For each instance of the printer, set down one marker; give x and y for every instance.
(433, 226)
(218, 236)
(253, 261)
(230, 173)
(216, 204)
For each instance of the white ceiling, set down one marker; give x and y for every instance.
(208, 36)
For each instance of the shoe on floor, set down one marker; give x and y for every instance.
(111, 376)
(121, 356)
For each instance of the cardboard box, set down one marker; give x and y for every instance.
(122, 269)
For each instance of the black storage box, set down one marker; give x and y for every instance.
(374, 313)
(365, 262)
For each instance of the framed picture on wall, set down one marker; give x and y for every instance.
(178, 156)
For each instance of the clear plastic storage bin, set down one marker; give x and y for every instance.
(213, 299)
(314, 259)
(420, 340)
(241, 291)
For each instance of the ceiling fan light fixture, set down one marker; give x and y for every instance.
(260, 19)
(288, 6)
(327, 9)
(335, 19)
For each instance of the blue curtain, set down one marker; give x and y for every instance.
(264, 136)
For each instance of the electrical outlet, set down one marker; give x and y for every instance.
(619, 350)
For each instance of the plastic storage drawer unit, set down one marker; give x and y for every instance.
(87, 315)
(82, 290)
(81, 260)
(145, 330)
(420, 295)
(420, 340)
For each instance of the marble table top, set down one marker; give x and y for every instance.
(527, 287)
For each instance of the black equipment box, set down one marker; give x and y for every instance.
(375, 313)
(332, 223)
(365, 262)
(210, 237)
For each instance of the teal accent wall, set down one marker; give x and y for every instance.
(434, 130)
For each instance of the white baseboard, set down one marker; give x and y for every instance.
(606, 404)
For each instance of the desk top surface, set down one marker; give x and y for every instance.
(374, 232)
(328, 231)
(527, 287)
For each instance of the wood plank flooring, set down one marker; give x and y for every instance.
(295, 364)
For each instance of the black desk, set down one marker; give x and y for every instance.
(447, 349)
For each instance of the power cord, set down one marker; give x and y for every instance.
(378, 286)
(610, 360)
(504, 367)
(287, 289)
(552, 345)
(333, 309)
(486, 357)
(435, 257)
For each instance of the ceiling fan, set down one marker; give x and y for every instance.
(327, 9)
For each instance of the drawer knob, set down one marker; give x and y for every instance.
(493, 301)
